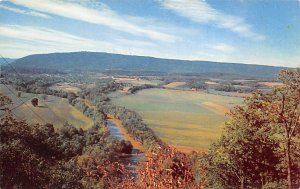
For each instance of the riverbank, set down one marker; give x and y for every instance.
(139, 146)
(126, 135)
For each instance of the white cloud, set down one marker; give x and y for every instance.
(18, 41)
(130, 43)
(26, 12)
(100, 15)
(42, 35)
(201, 12)
(224, 48)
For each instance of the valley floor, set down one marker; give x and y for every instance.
(53, 109)
(187, 119)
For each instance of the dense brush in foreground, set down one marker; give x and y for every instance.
(260, 144)
(37, 156)
(162, 168)
(259, 148)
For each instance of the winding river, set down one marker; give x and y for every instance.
(130, 160)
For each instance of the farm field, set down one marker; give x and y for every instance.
(181, 118)
(63, 111)
(210, 82)
(270, 84)
(65, 87)
(136, 81)
(174, 84)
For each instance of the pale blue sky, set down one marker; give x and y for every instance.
(242, 31)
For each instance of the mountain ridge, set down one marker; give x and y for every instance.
(5, 60)
(102, 61)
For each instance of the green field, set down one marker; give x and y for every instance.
(184, 118)
(53, 110)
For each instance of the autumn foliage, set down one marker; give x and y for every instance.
(163, 167)
(259, 148)
(260, 144)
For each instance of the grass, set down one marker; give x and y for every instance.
(136, 82)
(181, 118)
(211, 83)
(53, 110)
(270, 84)
(65, 87)
(175, 84)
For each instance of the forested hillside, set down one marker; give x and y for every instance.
(4, 61)
(98, 61)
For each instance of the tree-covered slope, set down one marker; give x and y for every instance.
(4, 61)
(99, 61)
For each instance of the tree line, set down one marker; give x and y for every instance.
(260, 144)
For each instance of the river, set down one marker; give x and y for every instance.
(130, 160)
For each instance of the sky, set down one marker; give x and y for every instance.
(261, 32)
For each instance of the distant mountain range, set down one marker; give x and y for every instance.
(99, 61)
(4, 61)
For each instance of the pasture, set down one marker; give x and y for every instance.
(53, 110)
(175, 84)
(210, 82)
(181, 118)
(270, 84)
(136, 81)
(66, 87)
